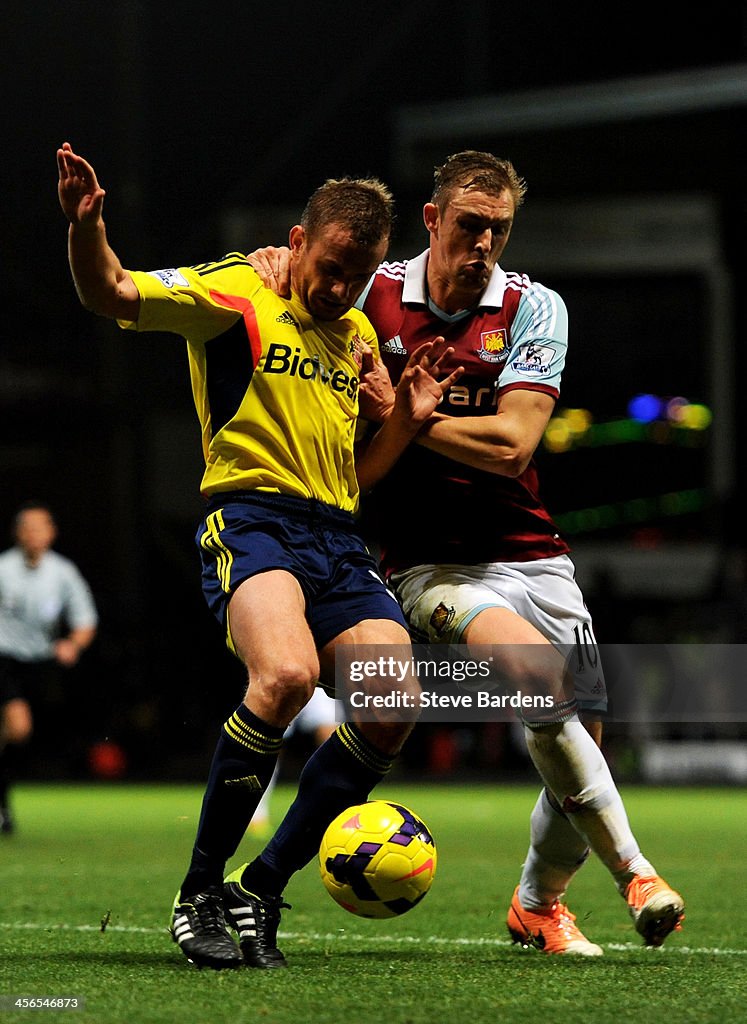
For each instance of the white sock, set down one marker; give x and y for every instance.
(574, 770)
(556, 852)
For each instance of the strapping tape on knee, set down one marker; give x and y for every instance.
(588, 800)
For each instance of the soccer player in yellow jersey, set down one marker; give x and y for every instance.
(275, 384)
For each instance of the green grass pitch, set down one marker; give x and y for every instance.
(87, 881)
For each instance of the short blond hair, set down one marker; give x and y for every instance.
(473, 169)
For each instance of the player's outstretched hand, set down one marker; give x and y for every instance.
(420, 390)
(375, 394)
(273, 266)
(81, 196)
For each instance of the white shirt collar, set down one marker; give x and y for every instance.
(414, 288)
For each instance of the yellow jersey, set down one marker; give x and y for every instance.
(276, 391)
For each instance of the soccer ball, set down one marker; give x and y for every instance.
(377, 859)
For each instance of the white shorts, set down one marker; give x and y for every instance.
(440, 601)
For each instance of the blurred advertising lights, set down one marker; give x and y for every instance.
(678, 411)
(567, 428)
(690, 415)
(645, 408)
(650, 419)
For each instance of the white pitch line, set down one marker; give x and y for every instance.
(390, 940)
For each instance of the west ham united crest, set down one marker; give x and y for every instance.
(441, 618)
(493, 346)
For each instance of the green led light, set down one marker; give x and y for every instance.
(636, 510)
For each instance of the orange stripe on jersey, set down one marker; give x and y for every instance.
(246, 308)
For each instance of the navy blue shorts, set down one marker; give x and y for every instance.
(245, 533)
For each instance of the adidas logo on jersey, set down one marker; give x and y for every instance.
(286, 318)
(395, 346)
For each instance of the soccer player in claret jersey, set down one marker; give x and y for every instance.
(472, 553)
(492, 555)
(275, 384)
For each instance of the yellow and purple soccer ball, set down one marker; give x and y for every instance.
(377, 859)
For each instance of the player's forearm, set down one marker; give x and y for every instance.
(102, 284)
(67, 650)
(382, 451)
(477, 441)
(82, 637)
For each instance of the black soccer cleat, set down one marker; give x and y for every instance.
(198, 926)
(7, 825)
(256, 920)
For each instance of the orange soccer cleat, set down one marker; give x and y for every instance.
(552, 931)
(656, 909)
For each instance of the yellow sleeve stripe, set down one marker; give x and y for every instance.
(211, 541)
(250, 738)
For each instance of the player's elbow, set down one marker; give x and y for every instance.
(92, 304)
(513, 462)
(110, 303)
(96, 299)
(112, 295)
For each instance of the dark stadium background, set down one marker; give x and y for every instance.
(208, 126)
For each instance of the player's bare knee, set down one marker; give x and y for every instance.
(286, 687)
(535, 671)
(17, 726)
(17, 737)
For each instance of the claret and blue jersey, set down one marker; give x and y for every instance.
(516, 338)
(431, 508)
